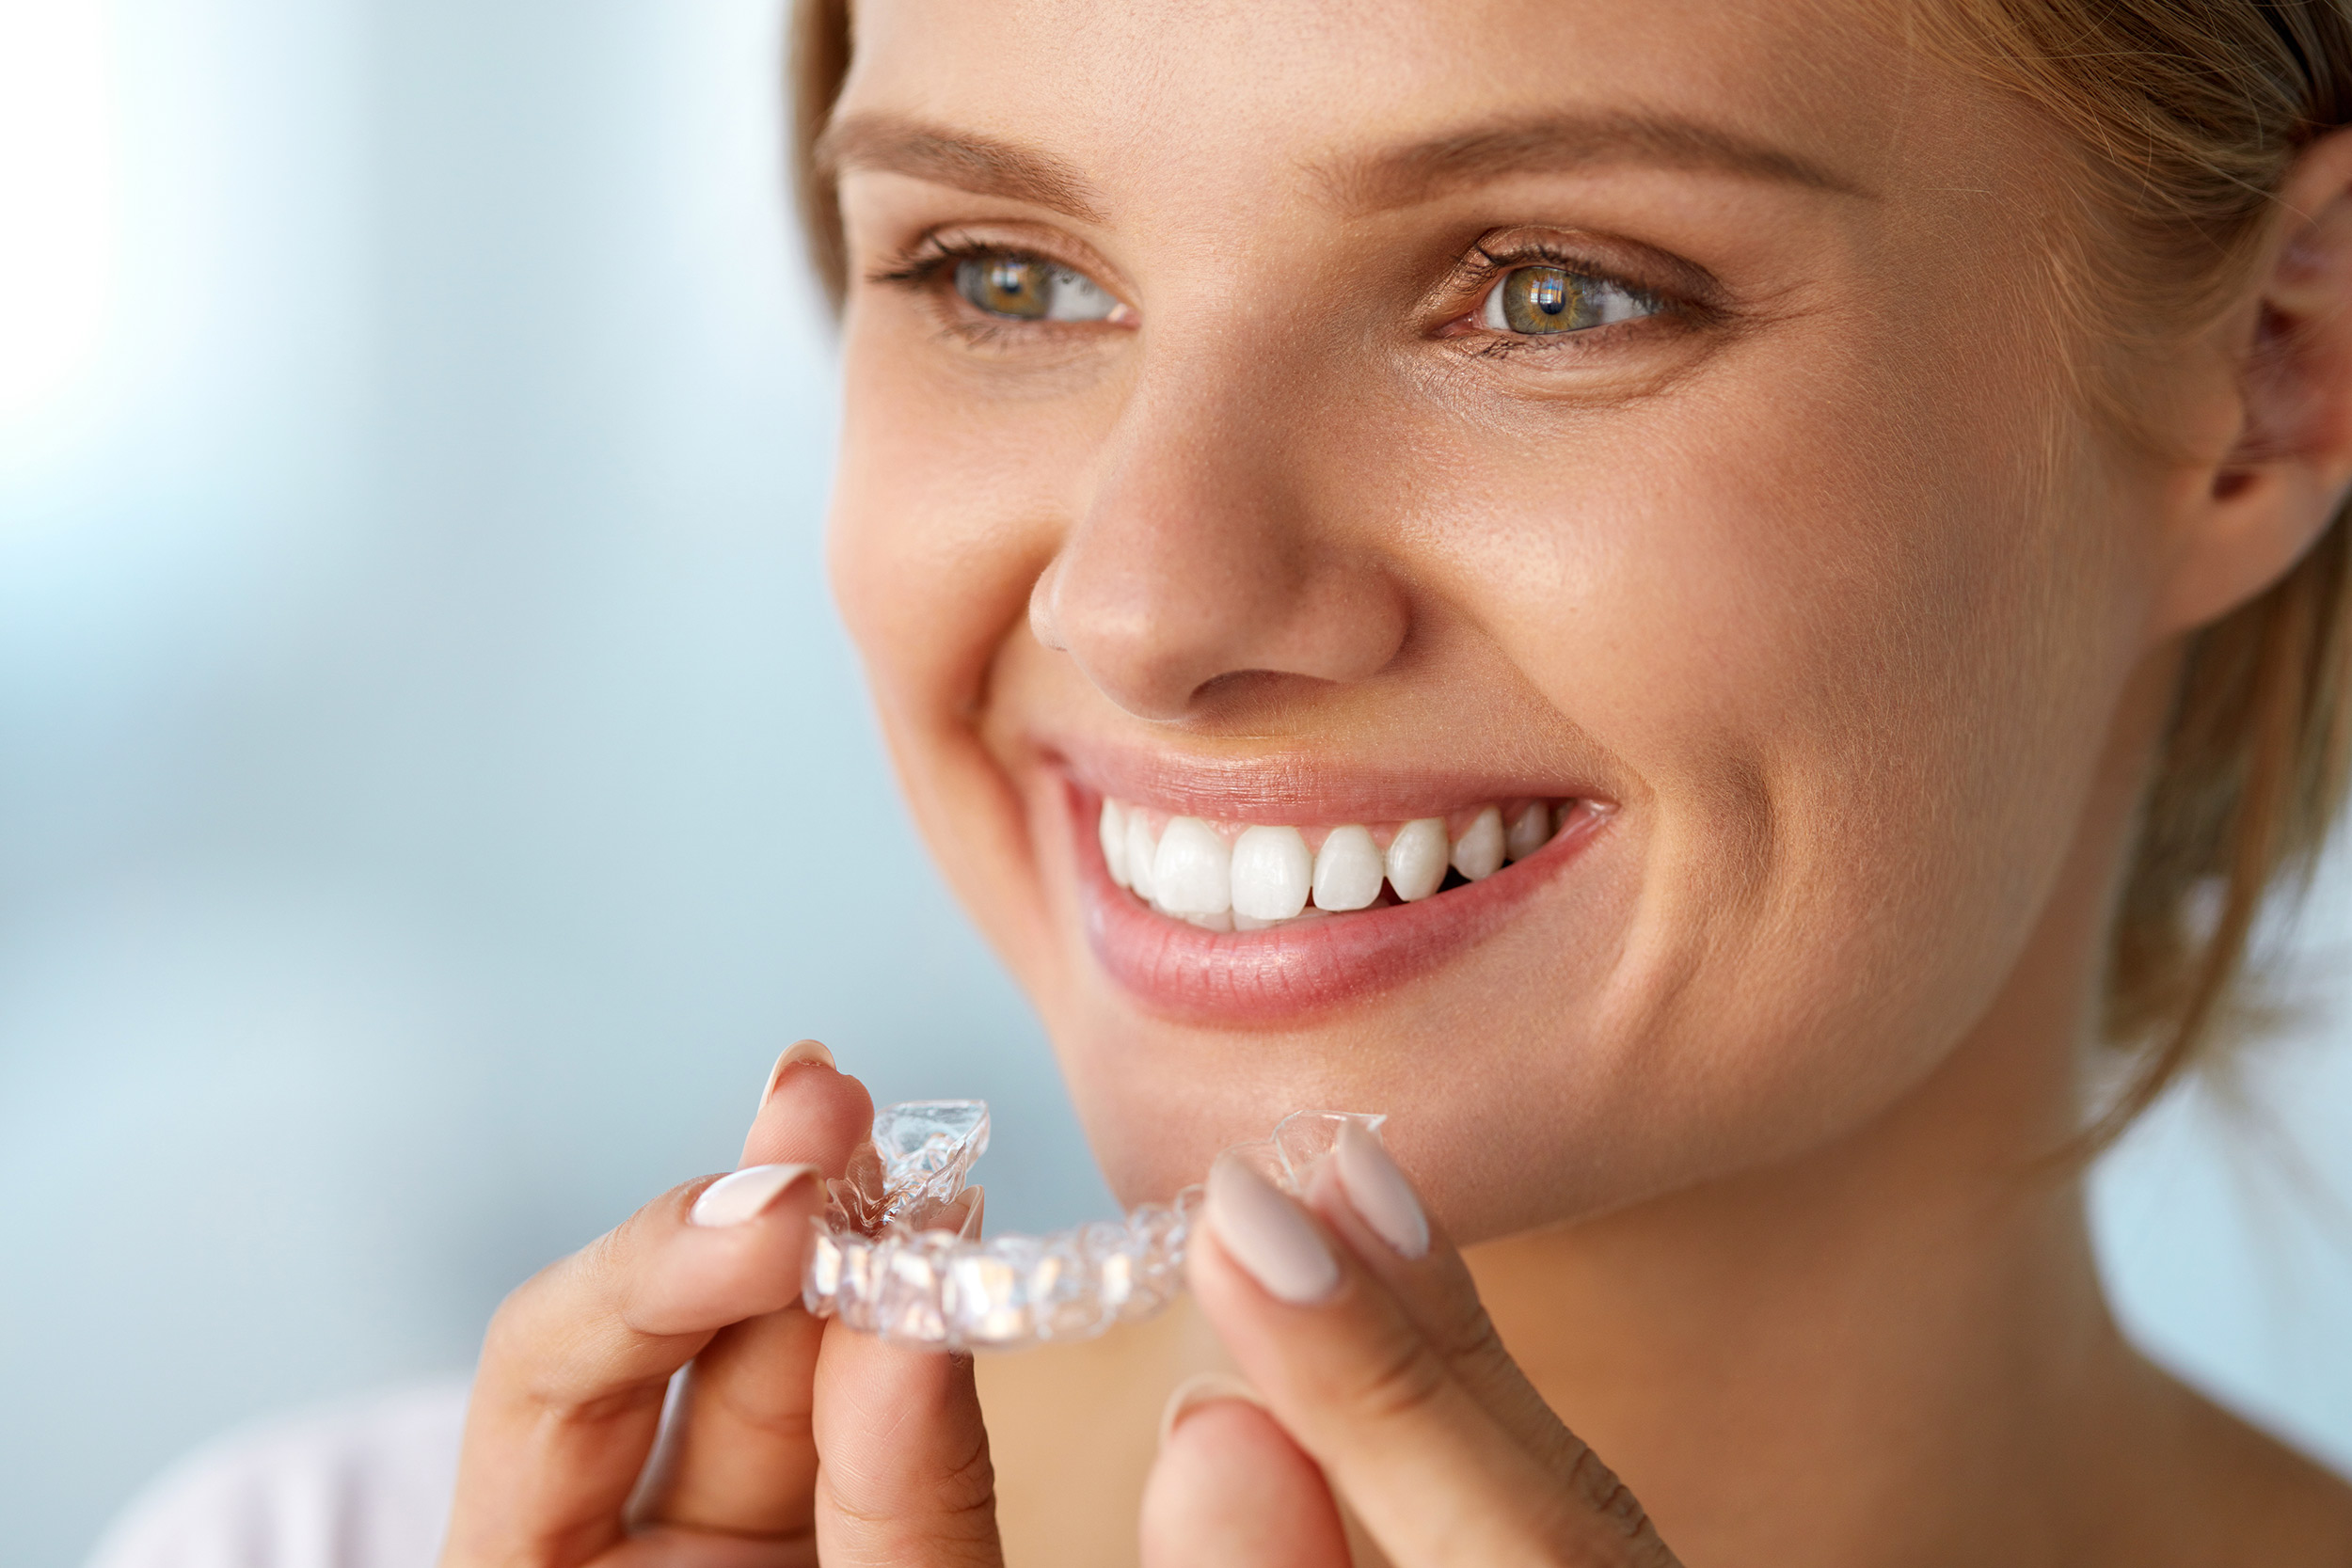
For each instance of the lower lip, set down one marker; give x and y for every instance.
(1290, 973)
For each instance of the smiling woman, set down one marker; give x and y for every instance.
(1693, 603)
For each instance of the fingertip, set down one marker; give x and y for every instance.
(1379, 1192)
(811, 1112)
(1230, 1488)
(1199, 1389)
(798, 1053)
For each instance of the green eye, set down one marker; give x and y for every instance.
(1026, 288)
(1548, 301)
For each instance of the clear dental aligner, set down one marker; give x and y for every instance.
(1242, 877)
(897, 1252)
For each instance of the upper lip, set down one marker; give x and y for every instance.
(1294, 784)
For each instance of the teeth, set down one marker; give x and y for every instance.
(1417, 858)
(1530, 830)
(1232, 878)
(1347, 870)
(1142, 852)
(1193, 872)
(1478, 853)
(1273, 873)
(1114, 832)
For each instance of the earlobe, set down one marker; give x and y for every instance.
(2277, 485)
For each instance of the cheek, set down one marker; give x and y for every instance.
(937, 528)
(1861, 686)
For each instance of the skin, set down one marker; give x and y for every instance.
(1820, 577)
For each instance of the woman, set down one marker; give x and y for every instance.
(1830, 508)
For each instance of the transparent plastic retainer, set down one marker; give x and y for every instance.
(898, 1250)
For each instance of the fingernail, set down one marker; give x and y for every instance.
(745, 1195)
(1378, 1191)
(1199, 1389)
(1270, 1235)
(794, 1055)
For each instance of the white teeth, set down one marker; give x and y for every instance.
(1192, 874)
(1273, 872)
(1141, 851)
(1267, 876)
(1114, 831)
(1417, 858)
(1478, 853)
(1530, 830)
(1347, 870)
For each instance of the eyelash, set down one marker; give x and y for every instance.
(1478, 271)
(922, 266)
(922, 269)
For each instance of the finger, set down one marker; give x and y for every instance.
(906, 1478)
(1361, 1194)
(1230, 1490)
(738, 1456)
(1434, 1476)
(569, 1388)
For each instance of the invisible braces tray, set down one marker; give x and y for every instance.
(897, 1252)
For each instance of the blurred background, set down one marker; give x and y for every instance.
(433, 786)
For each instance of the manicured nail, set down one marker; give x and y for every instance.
(1378, 1191)
(794, 1055)
(1199, 1389)
(1270, 1235)
(746, 1194)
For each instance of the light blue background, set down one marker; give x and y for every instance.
(432, 783)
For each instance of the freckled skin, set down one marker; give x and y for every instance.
(1819, 575)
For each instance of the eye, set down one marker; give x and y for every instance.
(1026, 288)
(1548, 301)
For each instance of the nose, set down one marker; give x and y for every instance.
(1209, 547)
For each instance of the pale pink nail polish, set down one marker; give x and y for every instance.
(796, 1054)
(745, 1195)
(1270, 1235)
(1378, 1191)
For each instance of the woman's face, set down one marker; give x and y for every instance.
(1645, 421)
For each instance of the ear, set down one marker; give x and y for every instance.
(2284, 430)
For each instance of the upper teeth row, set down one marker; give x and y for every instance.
(1250, 878)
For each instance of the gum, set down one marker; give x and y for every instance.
(898, 1253)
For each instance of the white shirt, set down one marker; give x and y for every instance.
(363, 1486)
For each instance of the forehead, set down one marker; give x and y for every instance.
(1281, 96)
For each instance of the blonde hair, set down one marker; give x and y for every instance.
(2191, 112)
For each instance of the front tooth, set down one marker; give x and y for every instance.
(1478, 853)
(1192, 874)
(1273, 873)
(1221, 921)
(1417, 858)
(1114, 831)
(1140, 853)
(1530, 830)
(1347, 870)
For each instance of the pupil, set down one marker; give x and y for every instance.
(1551, 294)
(1009, 278)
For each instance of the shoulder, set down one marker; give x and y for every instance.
(365, 1485)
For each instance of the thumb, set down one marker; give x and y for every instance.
(1230, 1490)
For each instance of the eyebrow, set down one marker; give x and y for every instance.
(1420, 170)
(982, 165)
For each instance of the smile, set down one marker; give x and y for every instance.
(1246, 877)
(1224, 921)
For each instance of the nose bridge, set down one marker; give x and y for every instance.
(1202, 548)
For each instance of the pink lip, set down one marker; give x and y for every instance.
(1273, 977)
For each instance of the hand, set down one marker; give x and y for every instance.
(795, 1439)
(1383, 1382)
